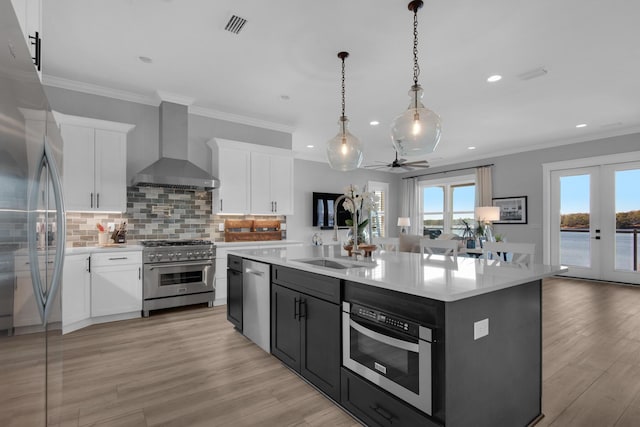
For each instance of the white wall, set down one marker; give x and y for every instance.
(521, 175)
(319, 177)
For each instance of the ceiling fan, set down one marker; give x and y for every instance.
(401, 163)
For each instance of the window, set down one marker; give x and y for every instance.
(378, 216)
(445, 203)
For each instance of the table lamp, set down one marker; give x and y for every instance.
(403, 222)
(486, 215)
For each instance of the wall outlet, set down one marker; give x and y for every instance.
(221, 226)
(480, 329)
(283, 226)
(111, 226)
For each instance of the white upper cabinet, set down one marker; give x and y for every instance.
(29, 13)
(271, 184)
(233, 194)
(254, 179)
(95, 164)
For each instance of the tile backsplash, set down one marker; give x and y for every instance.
(155, 213)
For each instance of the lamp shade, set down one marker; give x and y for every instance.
(404, 221)
(487, 213)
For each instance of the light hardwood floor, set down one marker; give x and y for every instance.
(190, 368)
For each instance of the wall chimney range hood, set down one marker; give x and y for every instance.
(173, 169)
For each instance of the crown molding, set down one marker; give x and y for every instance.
(93, 89)
(174, 98)
(236, 118)
(155, 99)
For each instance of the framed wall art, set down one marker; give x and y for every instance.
(513, 210)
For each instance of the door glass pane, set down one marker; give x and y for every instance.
(433, 211)
(627, 219)
(575, 242)
(464, 198)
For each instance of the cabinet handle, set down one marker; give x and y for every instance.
(97, 200)
(296, 307)
(276, 205)
(91, 200)
(383, 413)
(117, 258)
(139, 273)
(220, 204)
(303, 303)
(36, 41)
(89, 264)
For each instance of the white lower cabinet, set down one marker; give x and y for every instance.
(116, 283)
(76, 292)
(101, 287)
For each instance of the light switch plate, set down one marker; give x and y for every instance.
(221, 226)
(480, 329)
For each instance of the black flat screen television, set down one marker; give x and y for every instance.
(323, 208)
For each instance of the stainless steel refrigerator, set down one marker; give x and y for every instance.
(32, 239)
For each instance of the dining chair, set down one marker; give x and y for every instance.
(447, 247)
(520, 252)
(389, 244)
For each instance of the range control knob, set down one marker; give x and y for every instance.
(170, 255)
(189, 254)
(151, 257)
(159, 256)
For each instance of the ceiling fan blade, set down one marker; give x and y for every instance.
(422, 163)
(376, 166)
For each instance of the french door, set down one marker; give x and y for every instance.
(594, 221)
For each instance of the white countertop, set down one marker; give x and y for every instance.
(98, 249)
(261, 243)
(436, 277)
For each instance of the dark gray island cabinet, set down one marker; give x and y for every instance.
(305, 325)
(440, 345)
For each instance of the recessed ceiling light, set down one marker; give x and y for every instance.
(310, 146)
(285, 97)
(145, 59)
(494, 78)
(471, 148)
(581, 125)
(374, 123)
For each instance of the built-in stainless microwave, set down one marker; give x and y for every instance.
(390, 351)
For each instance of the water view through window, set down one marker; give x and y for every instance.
(575, 238)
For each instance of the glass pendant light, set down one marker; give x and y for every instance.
(344, 151)
(417, 130)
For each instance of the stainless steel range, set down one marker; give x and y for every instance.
(176, 273)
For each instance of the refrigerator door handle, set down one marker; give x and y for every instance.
(44, 297)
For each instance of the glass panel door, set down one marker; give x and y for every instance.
(621, 209)
(595, 221)
(575, 229)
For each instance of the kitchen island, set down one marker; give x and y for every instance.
(479, 362)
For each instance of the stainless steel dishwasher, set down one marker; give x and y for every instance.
(256, 303)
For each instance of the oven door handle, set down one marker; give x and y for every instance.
(394, 342)
(180, 264)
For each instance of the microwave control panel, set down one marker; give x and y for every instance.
(388, 320)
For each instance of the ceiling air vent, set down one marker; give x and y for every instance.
(235, 24)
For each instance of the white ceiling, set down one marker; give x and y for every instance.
(288, 47)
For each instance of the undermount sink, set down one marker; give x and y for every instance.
(330, 263)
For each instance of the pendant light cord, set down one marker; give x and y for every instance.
(342, 57)
(416, 67)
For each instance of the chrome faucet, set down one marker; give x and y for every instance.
(354, 251)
